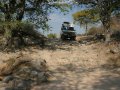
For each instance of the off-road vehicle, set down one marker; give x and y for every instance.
(67, 31)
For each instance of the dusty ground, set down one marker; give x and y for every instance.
(74, 67)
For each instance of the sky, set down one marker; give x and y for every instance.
(57, 18)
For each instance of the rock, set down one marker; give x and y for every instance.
(40, 65)
(36, 88)
(43, 77)
(118, 69)
(83, 42)
(24, 72)
(34, 73)
(8, 78)
(18, 84)
(25, 84)
(21, 85)
(3, 88)
(113, 51)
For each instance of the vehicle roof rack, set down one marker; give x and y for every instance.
(67, 22)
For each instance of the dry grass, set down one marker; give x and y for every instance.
(78, 68)
(114, 61)
(23, 68)
(95, 30)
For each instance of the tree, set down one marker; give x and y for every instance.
(106, 7)
(35, 11)
(85, 17)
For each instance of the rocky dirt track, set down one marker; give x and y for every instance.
(76, 66)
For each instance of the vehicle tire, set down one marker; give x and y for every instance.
(73, 38)
(62, 37)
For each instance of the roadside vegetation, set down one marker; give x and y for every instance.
(52, 36)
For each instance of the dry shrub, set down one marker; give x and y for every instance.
(84, 38)
(17, 35)
(12, 64)
(95, 30)
(24, 68)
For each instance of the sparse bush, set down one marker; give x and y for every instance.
(15, 33)
(52, 35)
(115, 31)
(95, 30)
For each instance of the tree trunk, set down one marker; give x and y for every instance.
(108, 37)
(105, 15)
(9, 10)
(86, 27)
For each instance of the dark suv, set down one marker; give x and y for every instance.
(67, 32)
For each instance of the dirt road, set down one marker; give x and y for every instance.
(78, 67)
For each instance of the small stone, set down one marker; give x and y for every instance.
(114, 50)
(3, 88)
(43, 77)
(7, 79)
(34, 73)
(118, 70)
(23, 85)
(20, 85)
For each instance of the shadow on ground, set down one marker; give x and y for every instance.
(70, 77)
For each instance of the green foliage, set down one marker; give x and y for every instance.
(16, 33)
(105, 8)
(86, 16)
(17, 26)
(52, 35)
(35, 11)
(9, 26)
(13, 12)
